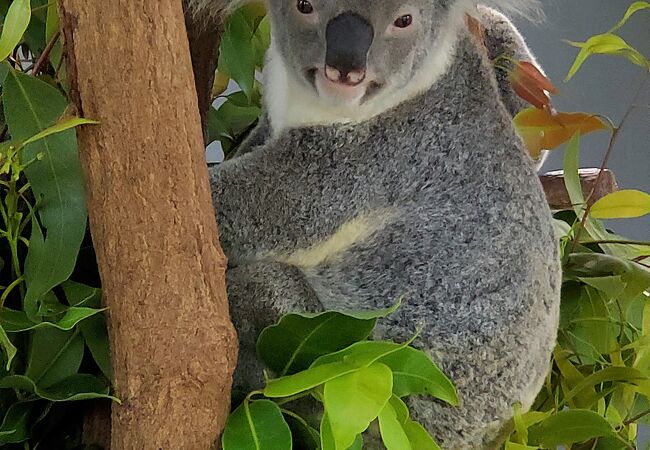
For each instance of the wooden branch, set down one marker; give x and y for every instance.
(204, 37)
(558, 197)
(152, 221)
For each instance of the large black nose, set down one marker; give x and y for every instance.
(349, 37)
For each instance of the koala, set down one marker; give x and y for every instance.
(390, 167)
(501, 38)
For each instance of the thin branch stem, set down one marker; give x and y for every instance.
(615, 134)
(42, 60)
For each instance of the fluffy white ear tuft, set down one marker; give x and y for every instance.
(530, 9)
(210, 10)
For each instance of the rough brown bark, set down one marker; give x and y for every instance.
(153, 226)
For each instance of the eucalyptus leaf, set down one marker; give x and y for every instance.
(392, 432)
(236, 56)
(16, 423)
(95, 334)
(307, 379)
(81, 295)
(354, 400)
(17, 321)
(570, 427)
(256, 425)
(419, 438)
(59, 128)
(304, 437)
(415, 373)
(298, 340)
(631, 10)
(605, 44)
(14, 26)
(54, 355)
(75, 387)
(9, 348)
(361, 354)
(31, 106)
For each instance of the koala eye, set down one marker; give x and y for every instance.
(305, 7)
(404, 21)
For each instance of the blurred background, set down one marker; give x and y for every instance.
(605, 85)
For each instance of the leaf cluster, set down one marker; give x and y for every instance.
(327, 358)
(52, 330)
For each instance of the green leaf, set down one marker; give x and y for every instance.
(361, 354)
(515, 446)
(4, 71)
(626, 375)
(236, 55)
(634, 8)
(261, 41)
(570, 427)
(415, 373)
(58, 128)
(353, 401)
(307, 379)
(8, 347)
(419, 438)
(605, 44)
(622, 205)
(302, 434)
(81, 295)
(73, 388)
(31, 106)
(257, 425)
(594, 323)
(358, 443)
(17, 321)
(52, 20)
(54, 355)
(95, 334)
(14, 26)
(16, 423)
(572, 175)
(392, 432)
(298, 340)
(326, 436)
(400, 408)
(612, 285)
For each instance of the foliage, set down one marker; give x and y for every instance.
(597, 391)
(327, 358)
(52, 330)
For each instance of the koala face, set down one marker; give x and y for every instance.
(351, 51)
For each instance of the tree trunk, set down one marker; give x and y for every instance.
(152, 221)
(204, 36)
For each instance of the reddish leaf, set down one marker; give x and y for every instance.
(542, 129)
(531, 84)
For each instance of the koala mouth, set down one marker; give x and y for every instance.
(349, 92)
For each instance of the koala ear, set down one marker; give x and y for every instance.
(530, 9)
(212, 10)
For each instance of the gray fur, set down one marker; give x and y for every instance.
(455, 218)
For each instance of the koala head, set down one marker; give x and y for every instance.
(349, 51)
(348, 60)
